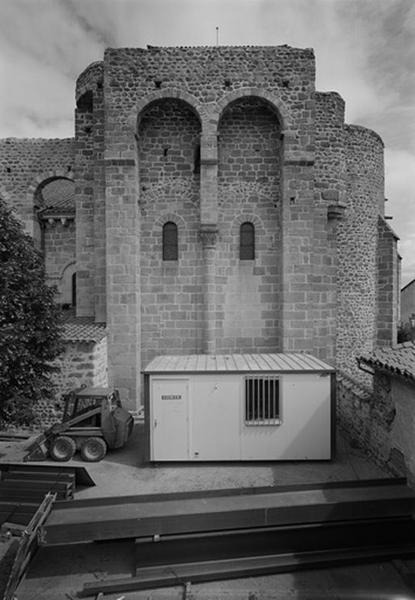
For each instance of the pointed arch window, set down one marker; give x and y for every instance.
(170, 241)
(247, 241)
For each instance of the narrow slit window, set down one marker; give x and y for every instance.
(170, 241)
(73, 289)
(196, 160)
(262, 401)
(247, 242)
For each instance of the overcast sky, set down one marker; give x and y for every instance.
(365, 50)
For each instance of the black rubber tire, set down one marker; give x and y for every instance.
(62, 449)
(93, 449)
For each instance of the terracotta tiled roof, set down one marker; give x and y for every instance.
(399, 359)
(83, 329)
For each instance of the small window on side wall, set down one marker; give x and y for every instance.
(247, 241)
(170, 241)
(262, 400)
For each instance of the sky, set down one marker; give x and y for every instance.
(365, 50)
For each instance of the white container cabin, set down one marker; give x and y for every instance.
(239, 407)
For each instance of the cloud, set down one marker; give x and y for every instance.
(39, 101)
(400, 191)
(365, 50)
(91, 20)
(42, 31)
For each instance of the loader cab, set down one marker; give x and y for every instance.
(85, 399)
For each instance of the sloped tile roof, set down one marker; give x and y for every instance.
(58, 196)
(66, 205)
(83, 329)
(398, 360)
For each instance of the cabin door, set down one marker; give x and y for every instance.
(170, 419)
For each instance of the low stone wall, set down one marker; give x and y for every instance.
(82, 363)
(366, 418)
(403, 428)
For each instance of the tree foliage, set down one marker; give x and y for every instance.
(30, 324)
(406, 333)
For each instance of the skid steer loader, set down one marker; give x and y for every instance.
(93, 421)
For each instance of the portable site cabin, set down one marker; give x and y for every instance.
(239, 407)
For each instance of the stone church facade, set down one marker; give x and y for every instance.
(211, 201)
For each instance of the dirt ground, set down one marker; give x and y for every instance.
(124, 471)
(58, 573)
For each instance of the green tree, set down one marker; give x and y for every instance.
(30, 325)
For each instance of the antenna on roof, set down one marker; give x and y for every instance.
(217, 36)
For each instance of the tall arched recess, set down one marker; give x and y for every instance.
(249, 182)
(168, 138)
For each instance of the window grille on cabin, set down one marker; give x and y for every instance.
(170, 241)
(262, 400)
(247, 241)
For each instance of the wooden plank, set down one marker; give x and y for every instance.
(156, 577)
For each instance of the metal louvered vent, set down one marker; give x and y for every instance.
(262, 401)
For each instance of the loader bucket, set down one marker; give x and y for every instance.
(38, 450)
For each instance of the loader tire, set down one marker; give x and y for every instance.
(93, 449)
(62, 449)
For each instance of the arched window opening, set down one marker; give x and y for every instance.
(247, 241)
(170, 241)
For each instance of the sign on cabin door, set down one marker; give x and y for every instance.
(170, 419)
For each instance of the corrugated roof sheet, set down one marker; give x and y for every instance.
(247, 363)
(399, 359)
(83, 329)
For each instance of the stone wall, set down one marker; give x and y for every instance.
(357, 245)
(138, 84)
(59, 249)
(25, 164)
(329, 195)
(403, 426)
(210, 138)
(82, 363)
(84, 179)
(171, 294)
(249, 292)
(366, 418)
(388, 285)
